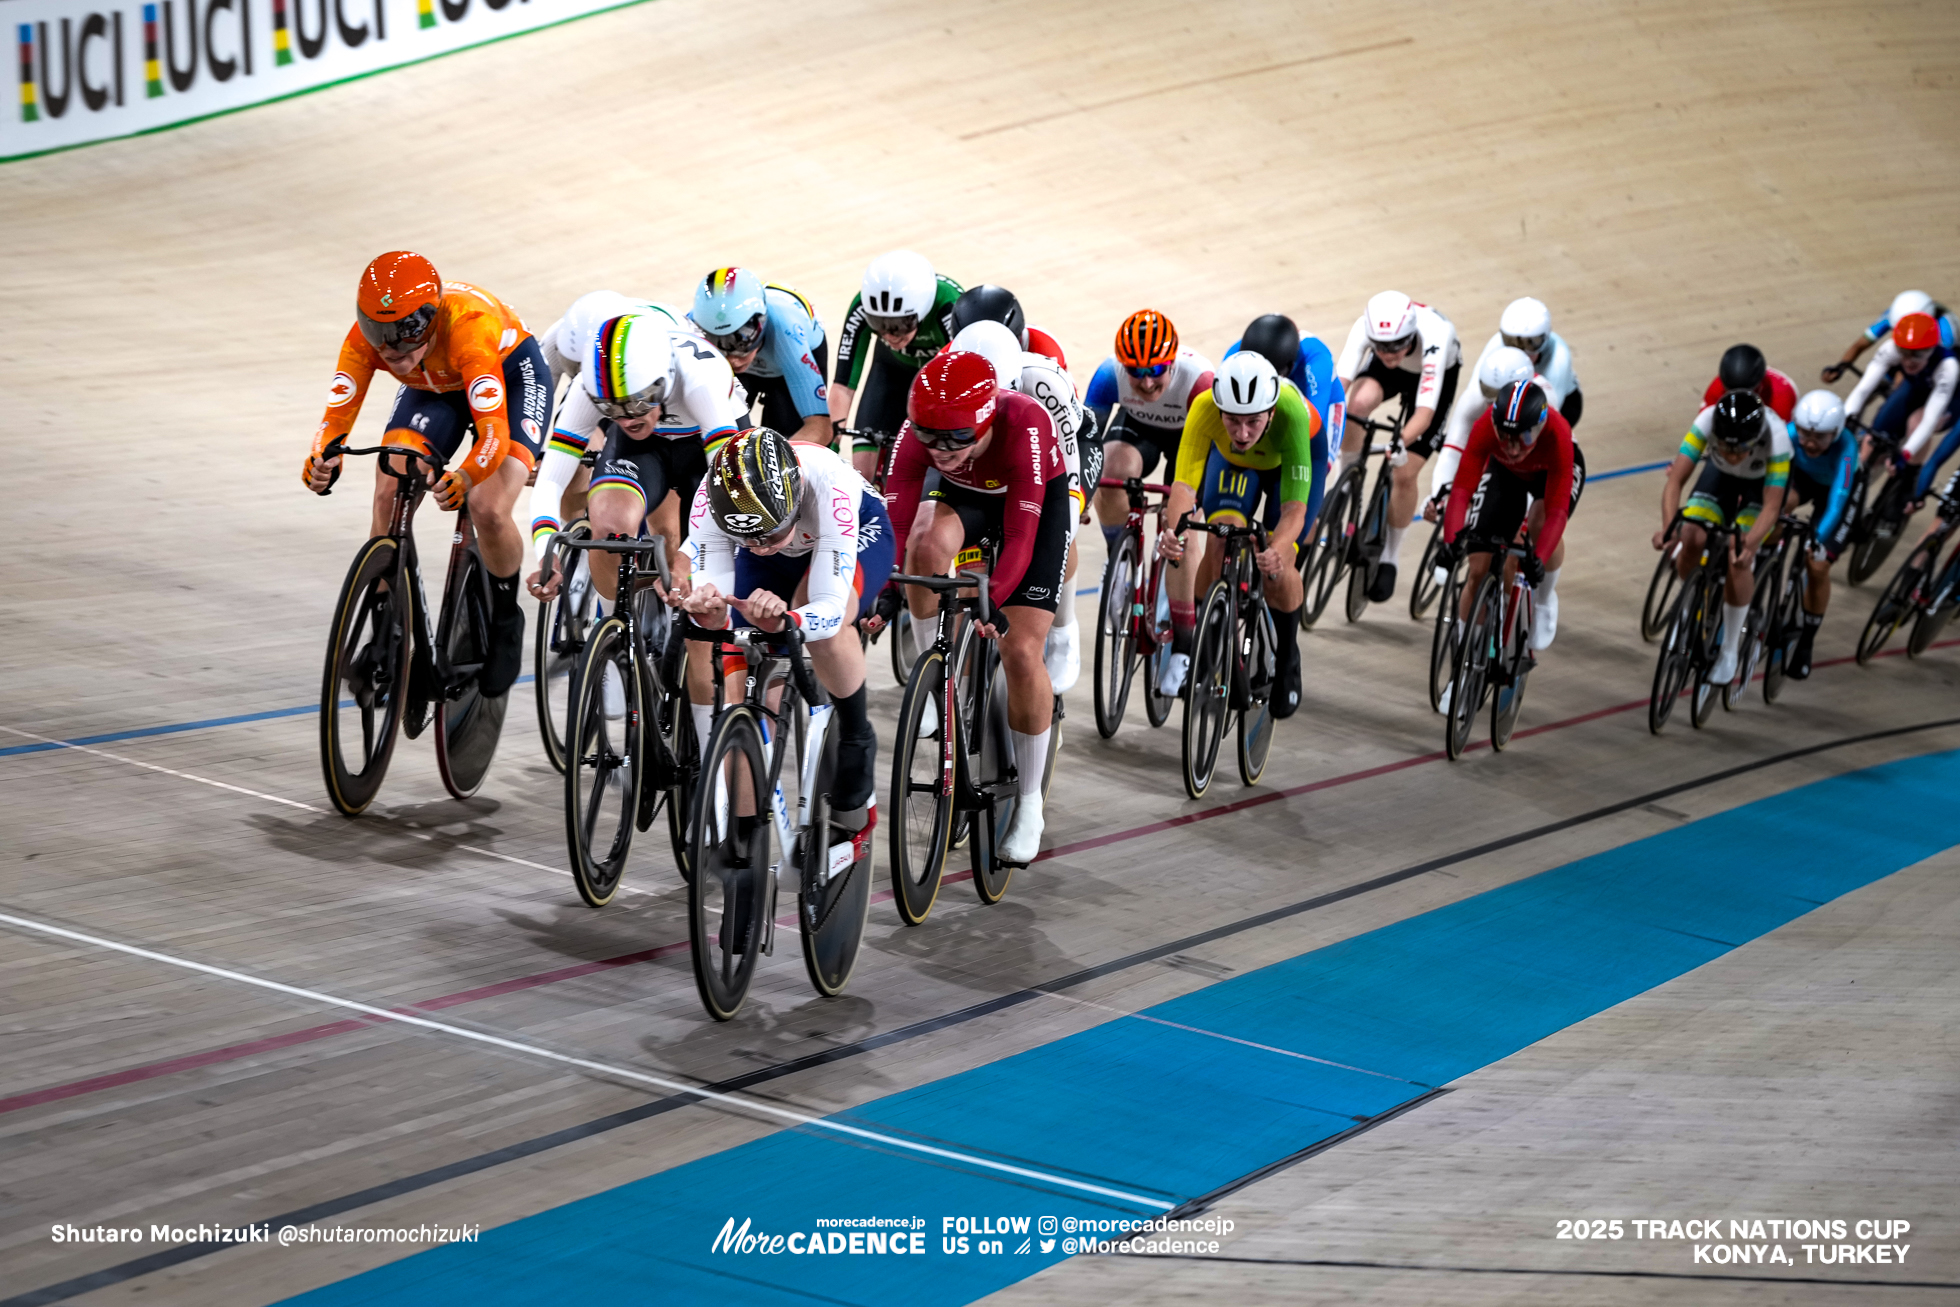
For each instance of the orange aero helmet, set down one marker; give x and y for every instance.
(1916, 331)
(1146, 341)
(397, 300)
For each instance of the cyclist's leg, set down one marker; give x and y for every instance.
(881, 404)
(1742, 501)
(1030, 694)
(628, 482)
(1363, 398)
(1285, 593)
(421, 420)
(839, 664)
(961, 519)
(1704, 508)
(1544, 595)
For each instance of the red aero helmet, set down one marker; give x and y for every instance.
(953, 397)
(397, 299)
(1916, 331)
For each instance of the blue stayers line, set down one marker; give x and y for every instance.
(1629, 471)
(143, 732)
(1164, 1107)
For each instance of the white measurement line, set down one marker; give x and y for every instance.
(1230, 1039)
(754, 1106)
(558, 874)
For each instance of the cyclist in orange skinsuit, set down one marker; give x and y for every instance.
(467, 364)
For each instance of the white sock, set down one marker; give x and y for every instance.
(1733, 617)
(1392, 546)
(1031, 758)
(1545, 587)
(704, 720)
(1065, 610)
(1347, 461)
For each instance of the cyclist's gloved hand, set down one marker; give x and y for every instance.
(889, 602)
(1532, 568)
(1833, 372)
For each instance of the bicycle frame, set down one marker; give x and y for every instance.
(1142, 620)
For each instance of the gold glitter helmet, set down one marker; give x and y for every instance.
(755, 484)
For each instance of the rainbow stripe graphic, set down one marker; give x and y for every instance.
(609, 358)
(152, 70)
(30, 112)
(282, 44)
(425, 13)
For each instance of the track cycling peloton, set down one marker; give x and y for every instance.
(738, 555)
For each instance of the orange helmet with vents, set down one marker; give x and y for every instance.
(397, 300)
(1146, 343)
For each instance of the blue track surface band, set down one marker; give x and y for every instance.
(1167, 1107)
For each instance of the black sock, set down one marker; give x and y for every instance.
(1287, 627)
(1811, 621)
(503, 596)
(852, 714)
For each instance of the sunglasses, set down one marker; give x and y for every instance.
(1154, 370)
(636, 405)
(1915, 355)
(892, 326)
(1402, 346)
(946, 441)
(1529, 344)
(1523, 439)
(402, 333)
(743, 340)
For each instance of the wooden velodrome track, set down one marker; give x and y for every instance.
(1669, 177)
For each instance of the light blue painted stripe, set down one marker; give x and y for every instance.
(1149, 1107)
(1628, 471)
(176, 728)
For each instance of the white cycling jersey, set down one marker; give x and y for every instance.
(827, 526)
(1554, 376)
(1939, 398)
(704, 401)
(1043, 379)
(1437, 353)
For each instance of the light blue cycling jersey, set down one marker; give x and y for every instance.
(1313, 374)
(1834, 468)
(1884, 324)
(789, 349)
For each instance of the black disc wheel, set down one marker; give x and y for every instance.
(1327, 564)
(366, 678)
(1442, 635)
(1116, 655)
(990, 760)
(1470, 670)
(1256, 722)
(834, 875)
(1366, 546)
(562, 626)
(468, 722)
(923, 777)
(1894, 606)
(1938, 610)
(1514, 662)
(1661, 590)
(605, 737)
(1425, 586)
(1885, 522)
(1786, 621)
(1207, 691)
(731, 897)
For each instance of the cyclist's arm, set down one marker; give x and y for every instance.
(349, 387)
(1937, 402)
(1476, 456)
(1776, 483)
(1840, 497)
(1100, 398)
(854, 349)
(1868, 384)
(1302, 446)
(1429, 387)
(555, 471)
(903, 482)
(1354, 353)
(1026, 490)
(477, 358)
(793, 339)
(1557, 375)
(1202, 430)
(1469, 406)
(833, 562)
(711, 552)
(1558, 488)
(709, 395)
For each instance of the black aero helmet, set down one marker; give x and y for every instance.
(989, 304)
(755, 484)
(1518, 409)
(1743, 367)
(1738, 418)
(1274, 336)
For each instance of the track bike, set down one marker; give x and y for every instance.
(1492, 659)
(1665, 581)
(1441, 574)
(1347, 541)
(737, 867)
(564, 624)
(1133, 620)
(953, 768)
(1691, 640)
(380, 653)
(1878, 519)
(630, 747)
(1920, 590)
(1234, 664)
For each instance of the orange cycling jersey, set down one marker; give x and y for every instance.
(473, 333)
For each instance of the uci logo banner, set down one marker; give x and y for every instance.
(90, 70)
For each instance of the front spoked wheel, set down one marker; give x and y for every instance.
(1156, 704)
(731, 896)
(604, 738)
(1116, 656)
(564, 624)
(1670, 667)
(1514, 661)
(468, 722)
(1327, 563)
(1207, 691)
(1890, 613)
(1442, 636)
(921, 807)
(1424, 587)
(367, 663)
(1666, 582)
